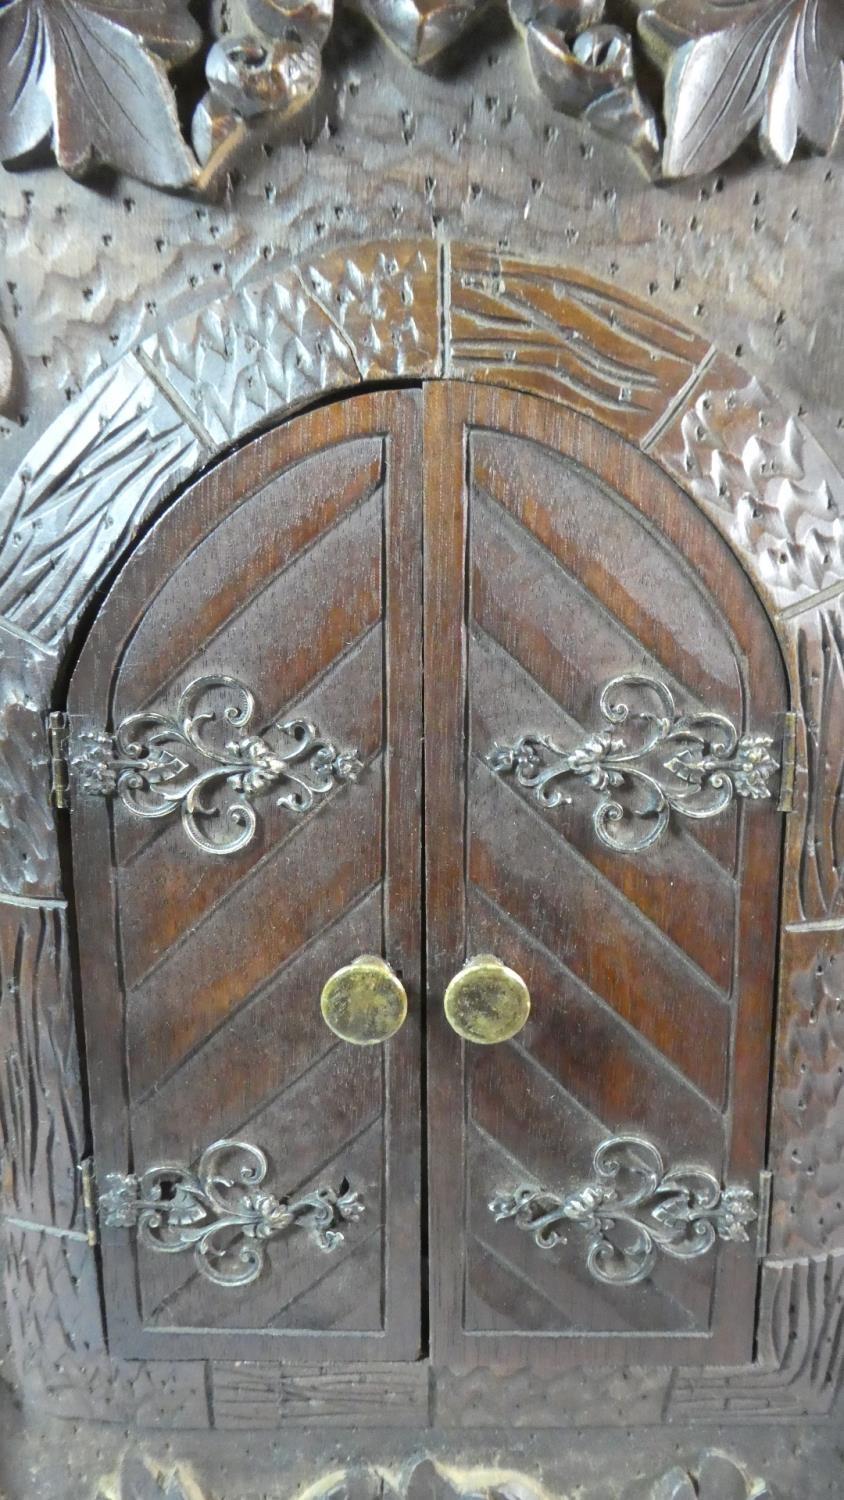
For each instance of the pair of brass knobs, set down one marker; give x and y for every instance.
(366, 1002)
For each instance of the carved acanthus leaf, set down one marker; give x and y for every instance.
(92, 76)
(733, 65)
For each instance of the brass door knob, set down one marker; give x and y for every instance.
(364, 1002)
(487, 1002)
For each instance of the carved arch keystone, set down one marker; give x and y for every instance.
(412, 309)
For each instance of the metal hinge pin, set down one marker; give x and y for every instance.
(89, 1201)
(57, 734)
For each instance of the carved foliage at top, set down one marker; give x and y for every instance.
(733, 65)
(91, 76)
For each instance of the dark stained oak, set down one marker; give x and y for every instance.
(556, 559)
(295, 567)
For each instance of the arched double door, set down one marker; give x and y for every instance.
(428, 676)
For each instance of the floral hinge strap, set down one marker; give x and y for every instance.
(632, 1210)
(709, 765)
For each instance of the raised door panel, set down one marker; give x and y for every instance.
(207, 933)
(559, 560)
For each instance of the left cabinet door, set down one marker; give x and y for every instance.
(245, 743)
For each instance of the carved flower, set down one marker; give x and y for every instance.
(754, 766)
(421, 29)
(91, 75)
(733, 65)
(588, 68)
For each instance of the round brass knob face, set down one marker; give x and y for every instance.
(364, 1002)
(487, 1002)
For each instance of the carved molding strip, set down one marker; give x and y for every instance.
(144, 764)
(94, 81)
(710, 764)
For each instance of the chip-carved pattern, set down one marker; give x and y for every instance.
(808, 1121)
(763, 480)
(521, 1398)
(820, 666)
(337, 319)
(87, 478)
(84, 489)
(29, 862)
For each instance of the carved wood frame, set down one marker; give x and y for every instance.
(386, 311)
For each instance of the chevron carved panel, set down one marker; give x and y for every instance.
(646, 991)
(274, 573)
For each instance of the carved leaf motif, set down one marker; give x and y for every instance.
(93, 76)
(732, 65)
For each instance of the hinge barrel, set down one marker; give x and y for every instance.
(57, 734)
(763, 1222)
(89, 1201)
(788, 764)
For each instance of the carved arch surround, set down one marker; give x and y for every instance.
(373, 312)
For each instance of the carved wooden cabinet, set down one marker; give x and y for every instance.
(454, 696)
(421, 744)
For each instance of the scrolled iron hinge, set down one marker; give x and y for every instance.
(58, 731)
(204, 762)
(221, 1212)
(788, 764)
(649, 765)
(633, 1210)
(763, 1220)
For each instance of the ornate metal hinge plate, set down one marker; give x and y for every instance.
(220, 1211)
(633, 1210)
(710, 764)
(201, 763)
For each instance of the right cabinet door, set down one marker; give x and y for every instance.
(604, 701)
